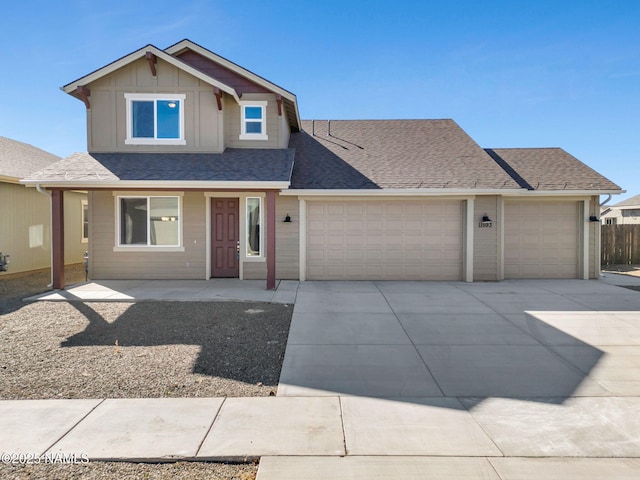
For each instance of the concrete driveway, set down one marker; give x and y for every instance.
(547, 370)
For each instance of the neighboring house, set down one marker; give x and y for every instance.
(626, 212)
(25, 213)
(198, 168)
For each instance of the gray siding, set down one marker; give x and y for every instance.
(485, 246)
(287, 239)
(106, 119)
(274, 123)
(104, 263)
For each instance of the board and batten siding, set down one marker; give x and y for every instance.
(105, 264)
(107, 122)
(25, 233)
(485, 239)
(277, 129)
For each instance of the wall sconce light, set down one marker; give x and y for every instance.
(593, 218)
(287, 219)
(485, 218)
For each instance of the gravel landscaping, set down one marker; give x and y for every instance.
(135, 350)
(131, 471)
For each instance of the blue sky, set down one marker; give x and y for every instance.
(512, 74)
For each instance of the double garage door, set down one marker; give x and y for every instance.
(385, 240)
(424, 240)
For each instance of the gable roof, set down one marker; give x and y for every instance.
(551, 169)
(632, 202)
(171, 55)
(18, 159)
(240, 167)
(392, 154)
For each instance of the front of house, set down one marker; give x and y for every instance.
(197, 168)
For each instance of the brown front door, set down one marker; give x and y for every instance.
(225, 234)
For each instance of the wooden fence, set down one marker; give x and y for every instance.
(620, 245)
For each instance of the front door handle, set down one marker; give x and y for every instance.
(238, 250)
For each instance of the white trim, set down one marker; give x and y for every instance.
(84, 203)
(302, 239)
(160, 184)
(585, 239)
(261, 256)
(112, 67)
(500, 246)
(441, 192)
(148, 248)
(131, 97)
(263, 121)
(120, 247)
(468, 240)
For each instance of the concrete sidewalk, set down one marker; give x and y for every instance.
(340, 437)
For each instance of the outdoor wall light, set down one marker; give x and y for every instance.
(593, 218)
(287, 219)
(485, 218)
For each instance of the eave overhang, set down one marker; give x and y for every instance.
(286, 95)
(441, 192)
(157, 185)
(72, 88)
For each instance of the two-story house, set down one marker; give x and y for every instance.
(198, 168)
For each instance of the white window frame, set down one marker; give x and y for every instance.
(123, 247)
(243, 125)
(84, 218)
(246, 229)
(131, 97)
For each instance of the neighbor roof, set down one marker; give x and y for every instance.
(17, 159)
(550, 169)
(234, 165)
(392, 154)
(629, 202)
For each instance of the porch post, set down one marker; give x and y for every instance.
(271, 240)
(57, 238)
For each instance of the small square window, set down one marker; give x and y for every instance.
(253, 121)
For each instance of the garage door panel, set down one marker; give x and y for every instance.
(385, 240)
(541, 239)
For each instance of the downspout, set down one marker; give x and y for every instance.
(48, 194)
(606, 201)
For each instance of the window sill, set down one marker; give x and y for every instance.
(253, 136)
(143, 248)
(153, 141)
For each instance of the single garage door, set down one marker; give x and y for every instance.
(384, 240)
(541, 239)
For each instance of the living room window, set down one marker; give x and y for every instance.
(149, 221)
(254, 121)
(154, 119)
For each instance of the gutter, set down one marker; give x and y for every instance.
(48, 194)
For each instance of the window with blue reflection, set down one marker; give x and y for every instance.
(143, 124)
(168, 118)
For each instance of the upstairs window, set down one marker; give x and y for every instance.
(154, 119)
(254, 121)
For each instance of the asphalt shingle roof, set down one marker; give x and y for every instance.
(360, 154)
(629, 202)
(550, 169)
(233, 165)
(17, 159)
